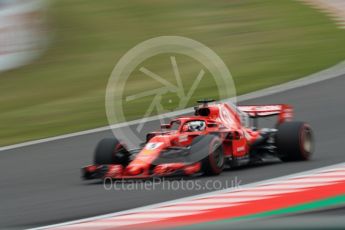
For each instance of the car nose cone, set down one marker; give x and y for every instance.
(134, 170)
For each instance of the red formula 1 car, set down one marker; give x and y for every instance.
(218, 135)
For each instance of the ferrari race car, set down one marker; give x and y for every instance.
(218, 135)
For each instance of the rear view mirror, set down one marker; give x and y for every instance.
(165, 126)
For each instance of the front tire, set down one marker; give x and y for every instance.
(294, 141)
(110, 151)
(209, 151)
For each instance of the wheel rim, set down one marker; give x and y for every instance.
(307, 141)
(218, 156)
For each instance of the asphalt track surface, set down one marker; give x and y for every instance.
(40, 184)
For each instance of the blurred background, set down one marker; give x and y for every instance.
(56, 56)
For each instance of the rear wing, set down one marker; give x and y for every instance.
(283, 111)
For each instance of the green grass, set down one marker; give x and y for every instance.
(262, 42)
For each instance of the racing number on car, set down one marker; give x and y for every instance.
(153, 145)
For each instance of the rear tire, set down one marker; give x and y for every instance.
(209, 151)
(294, 141)
(110, 151)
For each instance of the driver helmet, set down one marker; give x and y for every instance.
(196, 126)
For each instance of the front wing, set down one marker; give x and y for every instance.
(117, 171)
